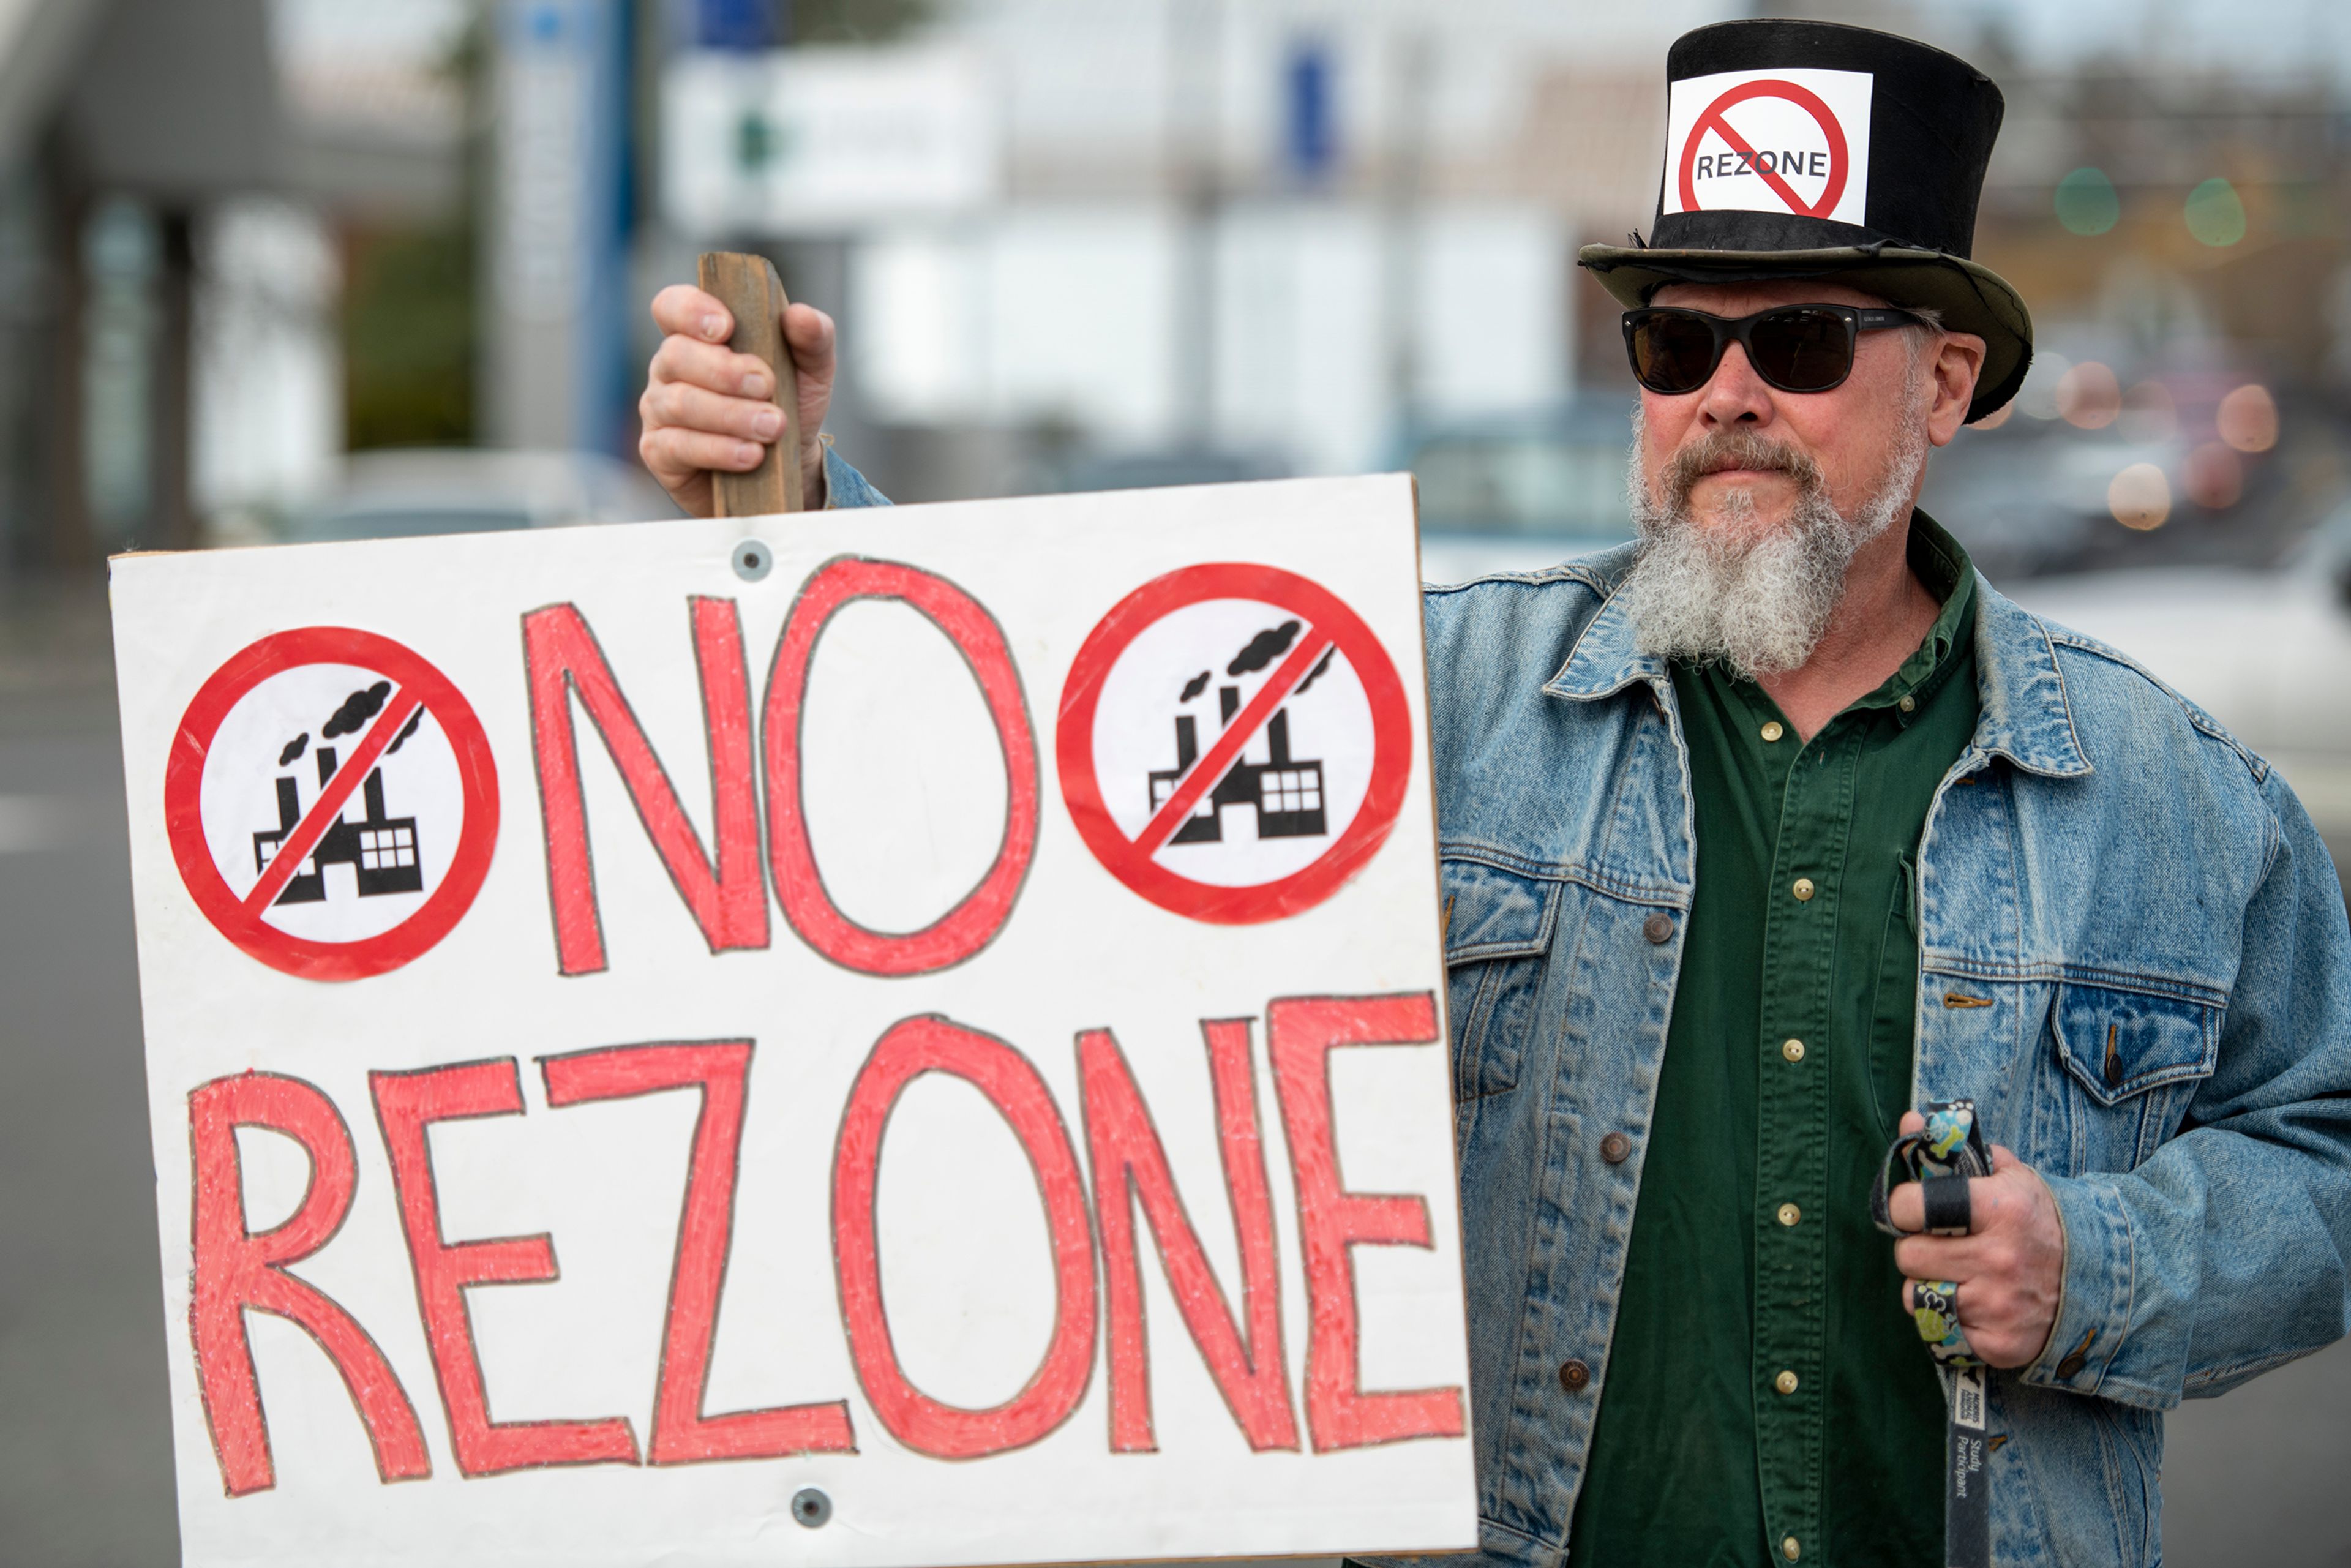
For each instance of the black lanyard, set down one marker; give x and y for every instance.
(1942, 1159)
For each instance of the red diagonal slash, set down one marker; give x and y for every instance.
(1217, 759)
(329, 804)
(1771, 177)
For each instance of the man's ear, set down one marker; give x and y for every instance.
(1951, 379)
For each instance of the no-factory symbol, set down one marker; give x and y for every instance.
(1820, 151)
(331, 802)
(1233, 742)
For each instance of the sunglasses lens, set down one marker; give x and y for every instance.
(1672, 353)
(1803, 351)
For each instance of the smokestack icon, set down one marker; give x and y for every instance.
(381, 849)
(1285, 792)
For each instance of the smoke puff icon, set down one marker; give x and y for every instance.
(357, 709)
(1264, 649)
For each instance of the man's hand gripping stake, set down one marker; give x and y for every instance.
(754, 294)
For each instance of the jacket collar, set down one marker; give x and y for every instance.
(1605, 659)
(2026, 716)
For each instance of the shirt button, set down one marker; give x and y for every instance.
(1793, 1050)
(1659, 928)
(1615, 1147)
(1907, 704)
(1790, 1214)
(1574, 1376)
(1785, 1382)
(1772, 730)
(1803, 890)
(1790, 1548)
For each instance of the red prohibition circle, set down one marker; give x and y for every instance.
(1330, 618)
(412, 677)
(1839, 159)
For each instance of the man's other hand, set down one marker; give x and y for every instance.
(2010, 1267)
(707, 407)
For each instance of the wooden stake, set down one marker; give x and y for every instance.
(747, 286)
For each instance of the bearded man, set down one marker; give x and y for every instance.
(1768, 830)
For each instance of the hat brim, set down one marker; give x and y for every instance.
(1970, 297)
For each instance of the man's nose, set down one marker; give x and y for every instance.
(1736, 395)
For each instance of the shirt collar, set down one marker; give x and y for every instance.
(1942, 565)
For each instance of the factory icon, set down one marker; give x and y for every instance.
(1285, 792)
(381, 849)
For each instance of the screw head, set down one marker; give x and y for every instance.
(811, 1508)
(753, 560)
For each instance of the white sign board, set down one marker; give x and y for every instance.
(823, 140)
(894, 1038)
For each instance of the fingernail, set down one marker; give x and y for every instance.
(755, 385)
(714, 326)
(747, 454)
(768, 422)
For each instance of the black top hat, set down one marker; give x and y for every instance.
(1813, 149)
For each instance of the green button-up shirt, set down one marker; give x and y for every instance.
(1765, 1385)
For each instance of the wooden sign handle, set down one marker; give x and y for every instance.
(747, 286)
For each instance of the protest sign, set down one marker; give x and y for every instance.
(902, 1037)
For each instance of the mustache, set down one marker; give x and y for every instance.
(1735, 449)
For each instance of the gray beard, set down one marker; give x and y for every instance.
(1732, 591)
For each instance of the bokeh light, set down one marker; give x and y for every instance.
(2086, 202)
(2214, 478)
(2248, 418)
(2037, 399)
(1997, 417)
(2140, 497)
(2089, 396)
(2216, 215)
(2149, 413)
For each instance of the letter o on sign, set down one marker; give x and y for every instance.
(909, 1049)
(972, 924)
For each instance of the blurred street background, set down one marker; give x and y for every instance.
(283, 269)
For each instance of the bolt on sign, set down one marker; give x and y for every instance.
(905, 1038)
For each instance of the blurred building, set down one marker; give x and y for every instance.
(1275, 230)
(178, 181)
(1072, 242)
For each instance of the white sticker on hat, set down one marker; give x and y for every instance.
(1770, 142)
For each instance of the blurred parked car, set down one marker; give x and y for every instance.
(404, 493)
(1155, 468)
(2267, 652)
(2027, 498)
(1517, 495)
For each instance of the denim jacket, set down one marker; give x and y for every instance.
(2134, 957)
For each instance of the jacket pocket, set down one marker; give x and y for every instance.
(2135, 1061)
(1498, 929)
(2121, 1043)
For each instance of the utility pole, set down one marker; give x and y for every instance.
(1196, 34)
(556, 230)
(1405, 171)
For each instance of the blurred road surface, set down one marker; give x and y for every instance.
(85, 1459)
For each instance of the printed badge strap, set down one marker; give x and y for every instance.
(1942, 1157)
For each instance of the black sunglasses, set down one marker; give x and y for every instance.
(1796, 348)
